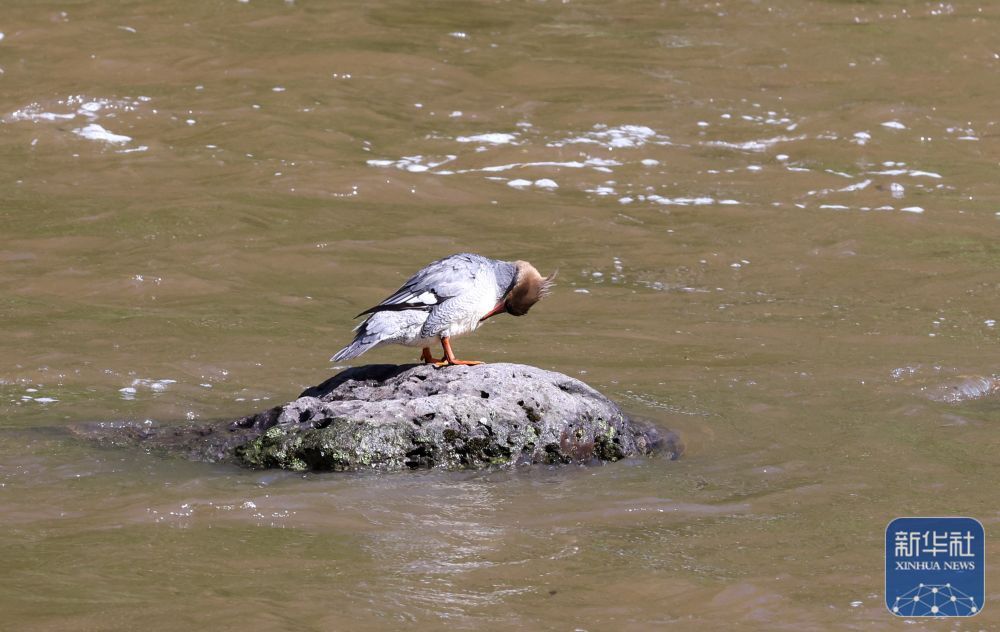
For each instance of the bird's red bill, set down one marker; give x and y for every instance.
(500, 307)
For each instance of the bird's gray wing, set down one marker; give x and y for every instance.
(436, 283)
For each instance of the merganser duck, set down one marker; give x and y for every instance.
(449, 297)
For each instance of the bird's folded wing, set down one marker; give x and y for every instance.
(439, 281)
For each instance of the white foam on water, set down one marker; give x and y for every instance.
(98, 132)
(537, 174)
(681, 201)
(620, 137)
(912, 209)
(914, 173)
(600, 164)
(493, 138)
(754, 145)
(415, 164)
(601, 190)
(73, 106)
(33, 113)
(770, 119)
(861, 138)
(842, 174)
(157, 386)
(857, 186)
(893, 125)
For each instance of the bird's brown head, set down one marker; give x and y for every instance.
(529, 288)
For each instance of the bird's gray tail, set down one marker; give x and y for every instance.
(353, 350)
(363, 341)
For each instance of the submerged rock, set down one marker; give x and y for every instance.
(947, 385)
(963, 388)
(396, 417)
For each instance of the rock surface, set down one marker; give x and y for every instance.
(397, 417)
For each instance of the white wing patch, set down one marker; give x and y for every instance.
(424, 298)
(427, 298)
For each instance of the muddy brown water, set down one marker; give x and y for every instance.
(775, 226)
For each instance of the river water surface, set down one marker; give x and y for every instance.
(776, 227)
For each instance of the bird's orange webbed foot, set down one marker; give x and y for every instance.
(446, 362)
(449, 358)
(426, 356)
